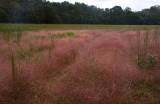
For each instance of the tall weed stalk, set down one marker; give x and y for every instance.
(144, 59)
(13, 68)
(142, 49)
(52, 45)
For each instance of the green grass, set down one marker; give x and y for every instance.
(70, 33)
(22, 54)
(62, 35)
(36, 27)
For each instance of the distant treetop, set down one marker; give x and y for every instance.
(42, 11)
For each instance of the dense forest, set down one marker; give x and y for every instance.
(40, 11)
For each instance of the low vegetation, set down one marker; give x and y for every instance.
(80, 66)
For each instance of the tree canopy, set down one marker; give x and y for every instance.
(40, 11)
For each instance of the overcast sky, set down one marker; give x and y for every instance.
(136, 5)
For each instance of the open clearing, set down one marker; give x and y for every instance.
(80, 66)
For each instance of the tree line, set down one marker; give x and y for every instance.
(39, 11)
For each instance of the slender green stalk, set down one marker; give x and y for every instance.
(52, 45)
(13, 68)
(138, 42)
(146, 43)
(43, 37)
(18, 36)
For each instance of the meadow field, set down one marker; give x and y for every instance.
(79, 64)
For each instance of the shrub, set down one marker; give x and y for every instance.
(140, 61)
(153, 60)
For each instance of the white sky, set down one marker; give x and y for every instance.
(136, 5)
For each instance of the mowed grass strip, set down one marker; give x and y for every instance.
(36, 27)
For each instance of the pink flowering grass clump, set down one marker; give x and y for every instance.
(98, 76)
(91, 67)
